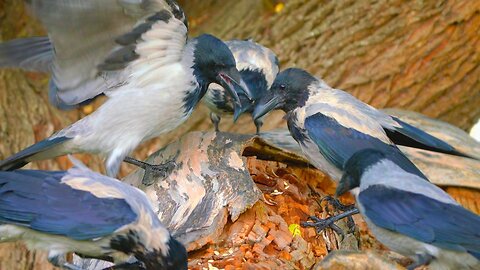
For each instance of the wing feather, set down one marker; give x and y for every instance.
(338, 143)
(40, 201)
(425, 219)
(98, 43)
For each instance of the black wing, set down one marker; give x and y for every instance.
(338, 143)
(40, 201)
(425, 219)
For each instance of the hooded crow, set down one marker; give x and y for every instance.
(411, 216)
(134, 52)
(331, 125)
(258, 67)
(88, 213)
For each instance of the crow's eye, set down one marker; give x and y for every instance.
(283, 87)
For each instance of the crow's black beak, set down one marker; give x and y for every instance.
(268, 103)
(241, 110)
(342, 186)
(232, 82)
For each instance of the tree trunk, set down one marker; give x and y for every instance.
(421, 55)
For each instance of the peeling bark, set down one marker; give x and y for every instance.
(210, 184)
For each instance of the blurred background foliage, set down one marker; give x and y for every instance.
(417, 55)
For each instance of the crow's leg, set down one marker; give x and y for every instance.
(258, 125)
(152, 172)
(321, 224)
(423, 259)
(338, 206)
(215, 120)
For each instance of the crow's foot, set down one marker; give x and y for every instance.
(321, 224)
(153, 172)
(337, 205)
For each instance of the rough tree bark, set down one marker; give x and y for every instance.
(421, 55)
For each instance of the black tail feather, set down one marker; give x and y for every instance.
(411, 136)
(34, 53)
(22, 158)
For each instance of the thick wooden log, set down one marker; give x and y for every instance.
(210, 184)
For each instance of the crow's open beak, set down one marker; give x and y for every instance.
(268, 103)
(232, 81)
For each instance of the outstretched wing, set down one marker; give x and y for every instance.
(99, 44)
(40, 201)
(425, 219)
(338, 143)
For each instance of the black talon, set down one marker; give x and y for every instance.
(153, 172)
(318, 223)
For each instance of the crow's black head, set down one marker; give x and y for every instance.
(172, 256)
(214, 63)
(175, 259)
(355, 167)
(258, 86)
(288, 91)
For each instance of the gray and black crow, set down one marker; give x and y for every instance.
(258, 66)
(330, 125)
(411, 216)
(135, 52)
(88, 213)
